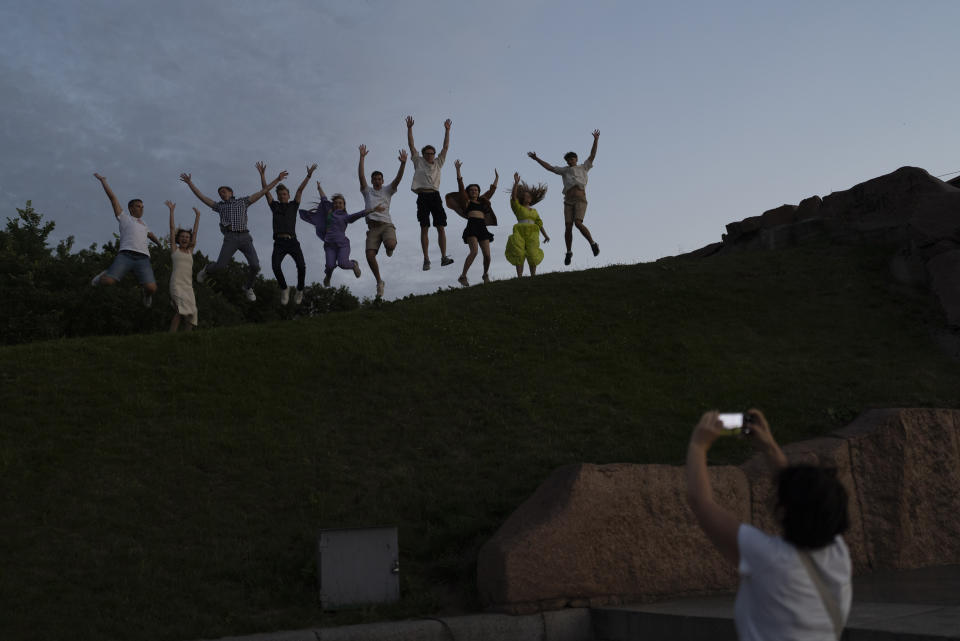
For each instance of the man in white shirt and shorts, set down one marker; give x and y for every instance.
(380, 229)
(574, 194)
(134, 252)
(426, 184)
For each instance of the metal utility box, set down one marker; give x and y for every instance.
(357, 566)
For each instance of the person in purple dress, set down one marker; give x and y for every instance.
(330, 218)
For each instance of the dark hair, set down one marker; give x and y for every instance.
(813, 504)
(376, 173)
(569, 155)
(425, 147)
(133, 200)
(230, 189)
(474, 185)
(280, 187)
(181, 230)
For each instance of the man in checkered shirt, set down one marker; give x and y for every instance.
(233, 226)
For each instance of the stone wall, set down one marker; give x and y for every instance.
(608, 534)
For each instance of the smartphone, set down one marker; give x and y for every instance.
(731, 421)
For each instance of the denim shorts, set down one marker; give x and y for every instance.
(128, 260)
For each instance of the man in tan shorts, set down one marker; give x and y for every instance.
(380, 229)
(574, 194)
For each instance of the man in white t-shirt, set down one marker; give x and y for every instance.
(574, 194)
(134, 253)
(380, 229)
(426, 184)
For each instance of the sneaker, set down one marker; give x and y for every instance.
(250, 294)
(596, 249)
(202, 275)
(390, 252)
(380, 286)
(356, 268)
(566, 259)
(96, 279)
(298, 297)
(147, 299)
(285, 295)
(463, 281)
(446, 260)
(326, 280)
(426, 265)
(486, 278)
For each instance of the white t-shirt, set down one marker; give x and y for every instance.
(373, 197)
(575, 176)
(777, 598)
(133, 234)
(426, 175)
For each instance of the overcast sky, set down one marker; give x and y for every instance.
(709, 112)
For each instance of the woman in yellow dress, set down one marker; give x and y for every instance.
(524, 242)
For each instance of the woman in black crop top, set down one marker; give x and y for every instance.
(475, 207)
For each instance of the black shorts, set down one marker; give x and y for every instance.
(430, 203)
(476, 228)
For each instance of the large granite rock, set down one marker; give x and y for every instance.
(907, 207)
(602, 534)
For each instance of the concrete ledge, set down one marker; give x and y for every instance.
(573, 624)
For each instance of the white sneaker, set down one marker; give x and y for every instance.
(250, 294)
(380, 287)
(96, 279)
(147, 299)
(356, 268)
(298, 297)
(202, 275)
(285, 295)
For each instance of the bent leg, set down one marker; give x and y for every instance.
(279, 253)
(250, 253)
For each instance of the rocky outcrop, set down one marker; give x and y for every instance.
(602, 534)
(908, 208)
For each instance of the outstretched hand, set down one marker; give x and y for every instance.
(403, 156)
(516, 177)
(496, 176)
(363, 151)
(99, 177)
(196, 211)
(185, 178)
(447, 123)
(170, 205)
(283, 176)
(457, 164)
(708, 430)
(312, 168)
(409, 122)
(596, 134)
(261, 167)
(532, 154)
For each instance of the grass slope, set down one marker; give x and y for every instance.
(171, 487)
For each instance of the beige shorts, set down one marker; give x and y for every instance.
(574, 210)
(378, 233)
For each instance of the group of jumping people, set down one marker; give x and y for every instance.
(330, 219)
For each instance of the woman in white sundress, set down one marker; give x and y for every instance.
(182, 242)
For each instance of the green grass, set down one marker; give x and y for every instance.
(171, 487)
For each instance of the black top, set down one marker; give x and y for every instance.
(284, 217)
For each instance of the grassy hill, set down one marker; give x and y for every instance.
(171, 487)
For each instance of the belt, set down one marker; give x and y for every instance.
(225, 229)
(375, 223)
(284, 237)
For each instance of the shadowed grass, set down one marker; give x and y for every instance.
(171, 487)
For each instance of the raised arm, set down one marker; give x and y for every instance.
(493, 186)
(303, 185)
(446, 139)
(173, 225)
(516, 187)
(543, 164)
(153, 237)
(763, 439)
(720, 525)
(362, 213)
(262, 169)
(463, 192)
(413, 148)
(360, 169)
(323, 196)
(255, 197)
(209, 202)
(196, 228)
(117, 209)
(403, 164)
(593, 150)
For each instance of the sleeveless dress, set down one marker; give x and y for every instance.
(181, 286)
